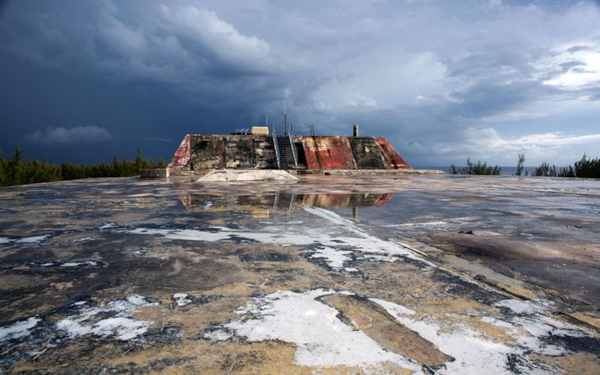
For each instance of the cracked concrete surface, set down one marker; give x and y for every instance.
(331, 274)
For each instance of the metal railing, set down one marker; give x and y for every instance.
(293, 147)
(276, 146)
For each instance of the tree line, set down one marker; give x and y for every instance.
(17, 171)
(584, 168)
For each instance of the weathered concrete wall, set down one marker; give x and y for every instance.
(207, 152)
(239, 152)
(368, 154)
(199, 152)
(264, 153)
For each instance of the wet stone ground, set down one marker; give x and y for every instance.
(329, 275)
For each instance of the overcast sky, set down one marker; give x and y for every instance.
(443, 80)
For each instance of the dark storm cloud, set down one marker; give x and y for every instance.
(420, 73)
(80, 134)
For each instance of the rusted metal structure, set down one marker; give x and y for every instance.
(199, 152)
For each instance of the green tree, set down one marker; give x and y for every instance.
(17, 171)
(14, 167)
(566, 172)
(139, 161)
(3, 171)
(587, 168)
(520, 163)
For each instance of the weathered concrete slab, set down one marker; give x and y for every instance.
(334, 274)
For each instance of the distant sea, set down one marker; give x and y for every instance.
(503, 170)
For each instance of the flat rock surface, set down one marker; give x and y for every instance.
(329, 275)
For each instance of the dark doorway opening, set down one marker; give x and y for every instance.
(301, 155)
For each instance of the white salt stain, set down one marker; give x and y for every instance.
(91, 263)
(23, 240)
(530, 318)
(217, 335)
(83, 239)
(362, 241)
(18, 329)
(522, 307)
(321, 338)
(108, 226)
(35, 239)
(182, 299)
(424, 224)
(473, 352)
(334, 258)
(186, 234)
(70, 264)
(113, 319)
(334, 242)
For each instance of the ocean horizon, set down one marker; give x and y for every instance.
(504, 171)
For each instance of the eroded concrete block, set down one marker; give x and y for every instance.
(207, 152)
(154, 173)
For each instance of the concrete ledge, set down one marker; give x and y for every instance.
(232, 175)
(154, 173)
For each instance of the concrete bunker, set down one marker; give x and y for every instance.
(201, 152)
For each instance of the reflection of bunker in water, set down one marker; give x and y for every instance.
(265, 205)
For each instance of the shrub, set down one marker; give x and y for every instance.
(584, 168)
(545, 170)
(479, 168)
(520, 163)
(587, 168)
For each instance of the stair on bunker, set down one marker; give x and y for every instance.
(286, 155)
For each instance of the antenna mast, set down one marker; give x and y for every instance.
(285, 119)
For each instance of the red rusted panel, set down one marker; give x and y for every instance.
(310, 152)
(391, 155)
(335, 153)
(383, 200)
(182, 155)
